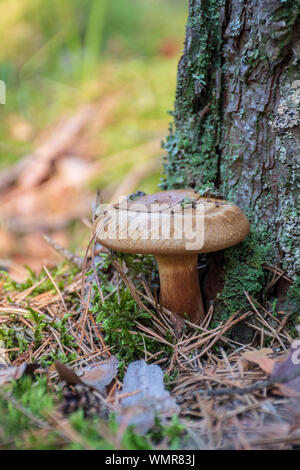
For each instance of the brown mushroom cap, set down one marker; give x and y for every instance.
(222, 224)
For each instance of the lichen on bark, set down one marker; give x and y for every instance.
(192, 144)
(287, 151)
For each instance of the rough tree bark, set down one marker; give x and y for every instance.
(237, 113)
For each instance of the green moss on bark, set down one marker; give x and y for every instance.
(192, 144)
(294, 292)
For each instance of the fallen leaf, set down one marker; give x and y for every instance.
(260, 357)
(66, 374)
(97, 376)
(289, 370)
(16, 372)
(100, 374)
(178, 324)
(147, 396)
(285, 374)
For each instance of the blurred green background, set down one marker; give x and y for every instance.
(56, 58)
(60, 54)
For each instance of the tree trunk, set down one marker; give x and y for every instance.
(237, 114)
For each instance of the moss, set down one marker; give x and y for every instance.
(117, 316)
(14, 424)
(17, 337)
(13, 339)
(119, 312)
(36, 400)
(294, 291)
(188, 165)
(20, 337)
(243, 271)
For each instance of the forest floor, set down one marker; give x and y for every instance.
(71, 335)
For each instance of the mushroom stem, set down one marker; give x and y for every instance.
(179, 285)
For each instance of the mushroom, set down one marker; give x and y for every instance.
(174, 226)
